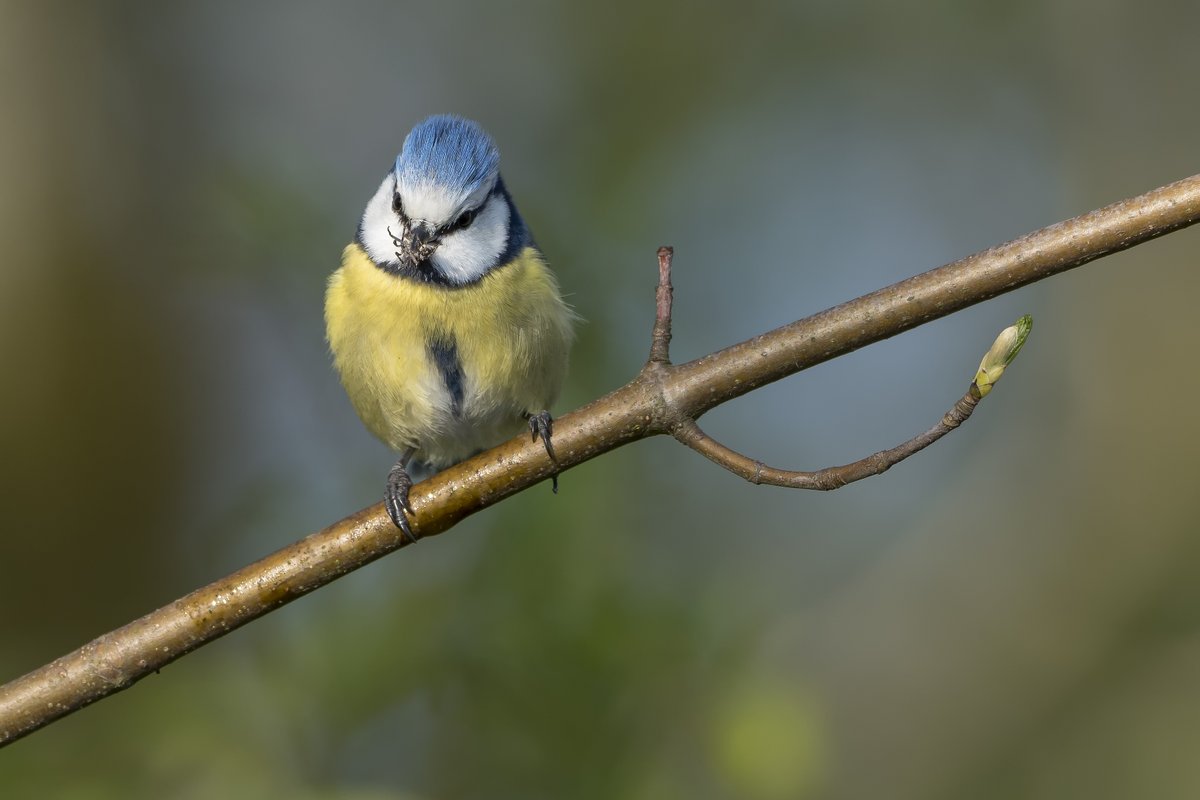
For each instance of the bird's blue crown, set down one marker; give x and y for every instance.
(448, 151)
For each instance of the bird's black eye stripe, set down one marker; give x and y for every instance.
(397, 203)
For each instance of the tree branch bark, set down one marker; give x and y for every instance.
(660, 400)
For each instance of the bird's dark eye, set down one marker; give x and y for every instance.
(465, 219)
(397, 204)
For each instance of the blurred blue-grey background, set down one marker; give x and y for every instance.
(1013, 613)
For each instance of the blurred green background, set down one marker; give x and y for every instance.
(1013, 613)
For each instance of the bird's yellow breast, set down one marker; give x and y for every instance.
(447, 370)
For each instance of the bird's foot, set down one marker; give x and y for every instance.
(542, 425)
(395, 498)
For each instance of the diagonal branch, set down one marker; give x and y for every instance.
(653, 403)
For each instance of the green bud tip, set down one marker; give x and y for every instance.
(1003, 351)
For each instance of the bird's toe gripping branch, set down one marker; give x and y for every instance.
(1001, 354)
(395, 496)
(541, 425)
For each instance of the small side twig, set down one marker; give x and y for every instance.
(1001, 354)
(660, 343)
(757, 472)
(684, 428)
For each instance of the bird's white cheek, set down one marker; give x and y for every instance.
(376, 220)
(466, 255)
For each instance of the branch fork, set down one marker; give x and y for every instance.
(685, 430)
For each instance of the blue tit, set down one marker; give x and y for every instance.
(446, 325)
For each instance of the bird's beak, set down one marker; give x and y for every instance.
(421, 231)
(417, 244)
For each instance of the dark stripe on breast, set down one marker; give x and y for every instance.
(444, 352)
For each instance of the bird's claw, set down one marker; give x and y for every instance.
(542, 425)
(395, 500)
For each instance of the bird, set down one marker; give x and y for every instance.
(447, 327)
